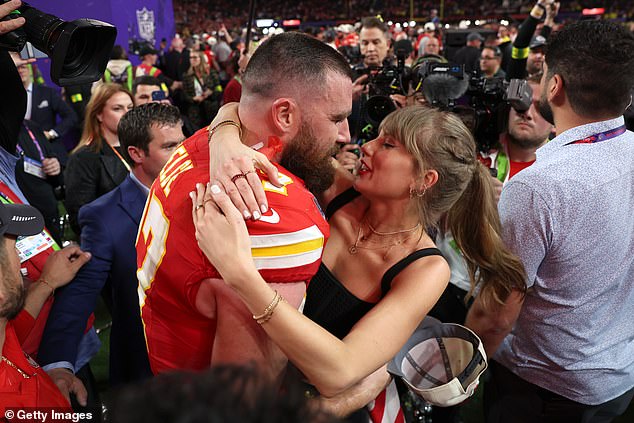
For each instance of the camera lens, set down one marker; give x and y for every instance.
(378, 107)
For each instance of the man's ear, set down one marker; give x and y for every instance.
(556, 90)
(285, 115)
(136, 154)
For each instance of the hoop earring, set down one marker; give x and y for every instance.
(413, 192)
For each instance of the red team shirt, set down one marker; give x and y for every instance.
(286, 243)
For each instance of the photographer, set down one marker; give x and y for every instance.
(526, 132)
(374, 40)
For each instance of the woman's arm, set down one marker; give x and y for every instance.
(228, 157)
(332, 365)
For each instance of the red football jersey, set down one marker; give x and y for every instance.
(286, 245)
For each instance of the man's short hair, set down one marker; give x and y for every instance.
(223, 393)
(118, 53)
(595, 59)
(374, 22)
(134, 126)
(291, 59)
(495, 49)
(144, 80)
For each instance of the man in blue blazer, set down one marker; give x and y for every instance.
(149, 134)
(44, 106)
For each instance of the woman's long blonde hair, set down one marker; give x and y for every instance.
(91, 134)
(440, 141)
(202, 68)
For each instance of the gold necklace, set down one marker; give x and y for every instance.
(354, 248)
(402, 231)
(22, 372)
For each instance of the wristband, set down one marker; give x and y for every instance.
(538, 11)
(519, 53)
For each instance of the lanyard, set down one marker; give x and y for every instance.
(125, 163)
(602, 136)
(5, 198)
(37, 144)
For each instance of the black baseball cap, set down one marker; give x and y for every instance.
(147, 49)
(537, 42)
(20, 220)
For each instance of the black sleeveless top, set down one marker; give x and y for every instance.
(329, 303)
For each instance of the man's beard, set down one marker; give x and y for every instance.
(544, 108)
(302, 156)
(15, 296)
(526, 142)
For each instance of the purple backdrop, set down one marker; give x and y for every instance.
(126, 15)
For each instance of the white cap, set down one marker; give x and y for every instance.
(441, 362)
(429, 26)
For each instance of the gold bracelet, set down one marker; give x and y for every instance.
(42, 280)
(268, 311)
(270, 314)
(538, 11)
(217, 126)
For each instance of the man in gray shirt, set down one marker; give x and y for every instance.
(565, 350)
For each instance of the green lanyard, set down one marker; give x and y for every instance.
(502, 164)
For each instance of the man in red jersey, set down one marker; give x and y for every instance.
(296, 97)
(22, 382)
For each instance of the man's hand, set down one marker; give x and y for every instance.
(51, 166)
(67, 382)
(62, 266)
(12, 24)
(551, 13)
(359, 87)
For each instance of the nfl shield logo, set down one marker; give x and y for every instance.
(145, 21)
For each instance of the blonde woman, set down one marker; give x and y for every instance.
(97, 165)
(202, 89)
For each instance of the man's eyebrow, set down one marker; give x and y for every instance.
(340, 116)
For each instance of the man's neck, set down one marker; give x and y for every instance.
(27, 84)
(565, 121)
(142, 177)
(520, 154)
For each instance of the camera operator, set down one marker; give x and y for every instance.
(527, 131)
(374, 41)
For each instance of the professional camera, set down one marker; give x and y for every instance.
(490, 100)
(385, 81)
(448, 87)
(79, 50)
